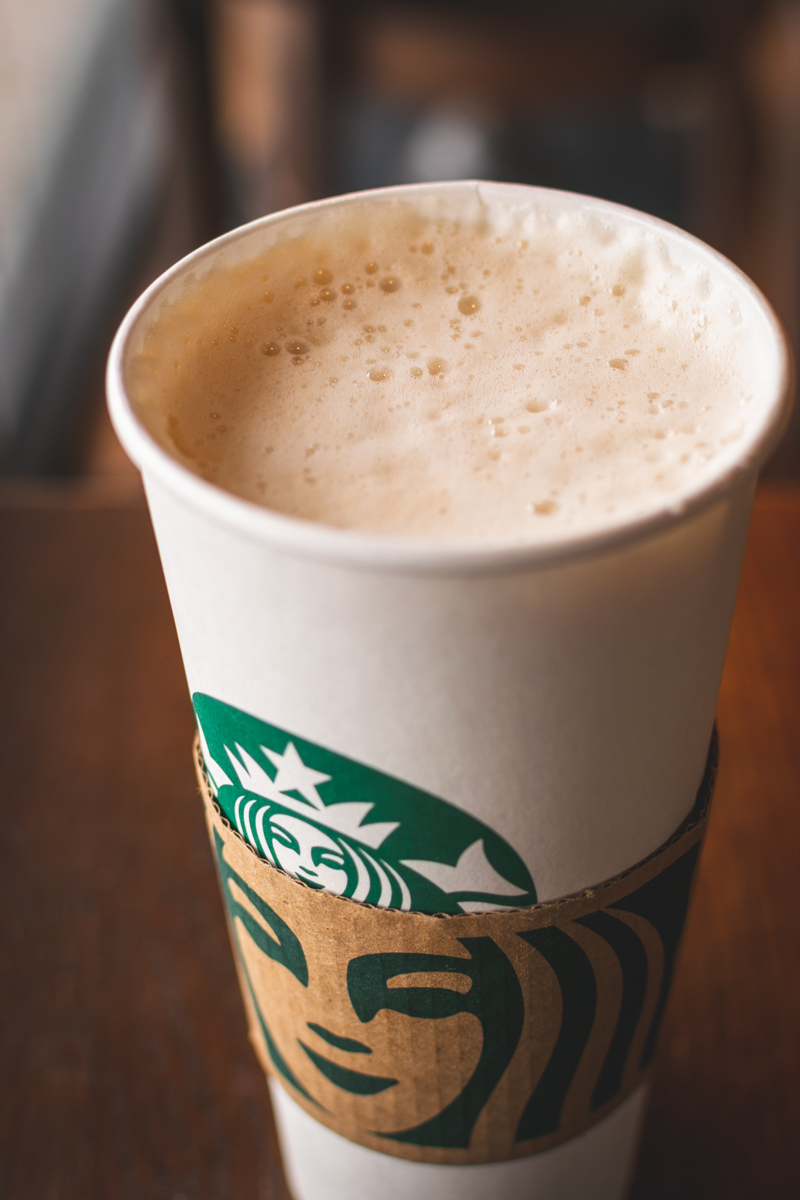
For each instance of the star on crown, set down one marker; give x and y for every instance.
(293, 775)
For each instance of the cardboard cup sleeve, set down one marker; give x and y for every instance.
(457, 1039)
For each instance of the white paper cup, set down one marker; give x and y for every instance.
(562, 695)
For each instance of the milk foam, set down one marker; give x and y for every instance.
(512, 376)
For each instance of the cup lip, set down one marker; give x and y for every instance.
(303, 538)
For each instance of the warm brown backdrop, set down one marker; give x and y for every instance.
(124, 1062)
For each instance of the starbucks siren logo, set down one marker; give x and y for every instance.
(349, 829)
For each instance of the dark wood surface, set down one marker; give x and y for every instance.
(125, 1066)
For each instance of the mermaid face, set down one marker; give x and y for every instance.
(345, 844)
(303, 850)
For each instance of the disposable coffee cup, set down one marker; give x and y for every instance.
(455, 791)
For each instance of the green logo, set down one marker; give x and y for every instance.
(349, 829)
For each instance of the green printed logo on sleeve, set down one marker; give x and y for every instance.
(349, 829)
(457, 1039)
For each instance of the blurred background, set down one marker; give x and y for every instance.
(132, 131)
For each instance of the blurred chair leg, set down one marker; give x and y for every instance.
(772, 252)
(266, 82)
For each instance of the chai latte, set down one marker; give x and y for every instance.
(513, 375)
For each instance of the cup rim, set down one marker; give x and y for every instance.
(311, 539)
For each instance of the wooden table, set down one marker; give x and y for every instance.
(125, 1066)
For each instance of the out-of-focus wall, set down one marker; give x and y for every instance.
(83, 139)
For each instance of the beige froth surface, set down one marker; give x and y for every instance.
(514, 381)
